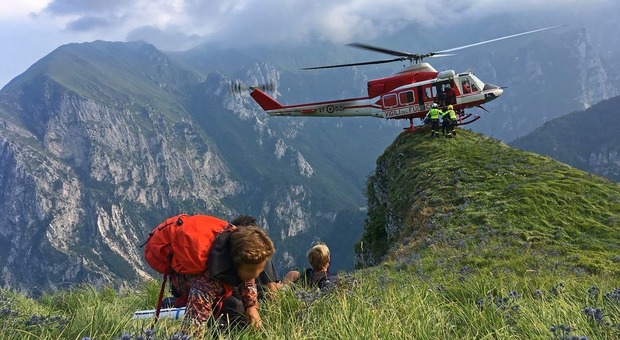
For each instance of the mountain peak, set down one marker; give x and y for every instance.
(102, 69)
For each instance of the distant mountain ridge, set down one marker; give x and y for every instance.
(588, 139)
(101, 141)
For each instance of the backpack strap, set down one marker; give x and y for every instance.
(161, 297)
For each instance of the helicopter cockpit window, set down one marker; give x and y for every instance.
(406, 97)
(474, 88)
(466, 86)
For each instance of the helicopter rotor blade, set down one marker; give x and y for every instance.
(499, 39)
(383, 50)
(355, 64)
(439, 55)
(415, 57)
(263, 87)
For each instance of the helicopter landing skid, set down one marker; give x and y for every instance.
(463, 121)
(411, 127)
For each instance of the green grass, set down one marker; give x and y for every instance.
(473, 201)
(455, 226)
(391, 301)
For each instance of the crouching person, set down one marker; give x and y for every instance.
(318, 275)
(268, 282)
(236, 259)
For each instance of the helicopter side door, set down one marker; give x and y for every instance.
(445, 95)
(430, 93)
(420, 96)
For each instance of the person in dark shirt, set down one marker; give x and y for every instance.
(450, 95)
(318, 276)
(442, 97)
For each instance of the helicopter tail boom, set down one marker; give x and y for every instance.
(354, 107)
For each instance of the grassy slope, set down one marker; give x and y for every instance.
(473, 203)
(528, 225)
(385, 302)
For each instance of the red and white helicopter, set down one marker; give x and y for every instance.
(407, 94)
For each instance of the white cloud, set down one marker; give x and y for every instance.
(274, 21)
(17, 10)
(265, 21)
(179, 24)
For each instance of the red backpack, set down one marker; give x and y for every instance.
(181, 243)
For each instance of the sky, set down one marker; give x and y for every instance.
(30, 29)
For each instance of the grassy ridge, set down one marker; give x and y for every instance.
(473, 203)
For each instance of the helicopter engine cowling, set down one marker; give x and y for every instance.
(446, 74)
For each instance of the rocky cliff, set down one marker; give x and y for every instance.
(101, 141)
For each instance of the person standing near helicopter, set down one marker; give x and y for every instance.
(449, 122)
(446, 123)
(450, 95)
(434, 114)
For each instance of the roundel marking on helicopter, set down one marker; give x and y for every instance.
(330, 109)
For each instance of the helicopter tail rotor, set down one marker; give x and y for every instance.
(238, 87)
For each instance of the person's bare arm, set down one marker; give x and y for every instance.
(291, 277)
(249, 297)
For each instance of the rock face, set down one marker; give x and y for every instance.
(80, 176)
(585, 139)
(99, 142)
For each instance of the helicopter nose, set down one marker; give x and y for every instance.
(491, 92)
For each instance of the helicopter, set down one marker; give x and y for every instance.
(408, 94)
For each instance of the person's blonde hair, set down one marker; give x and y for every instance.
(318, 256)
(250, 245)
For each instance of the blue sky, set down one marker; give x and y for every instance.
(30, 29)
